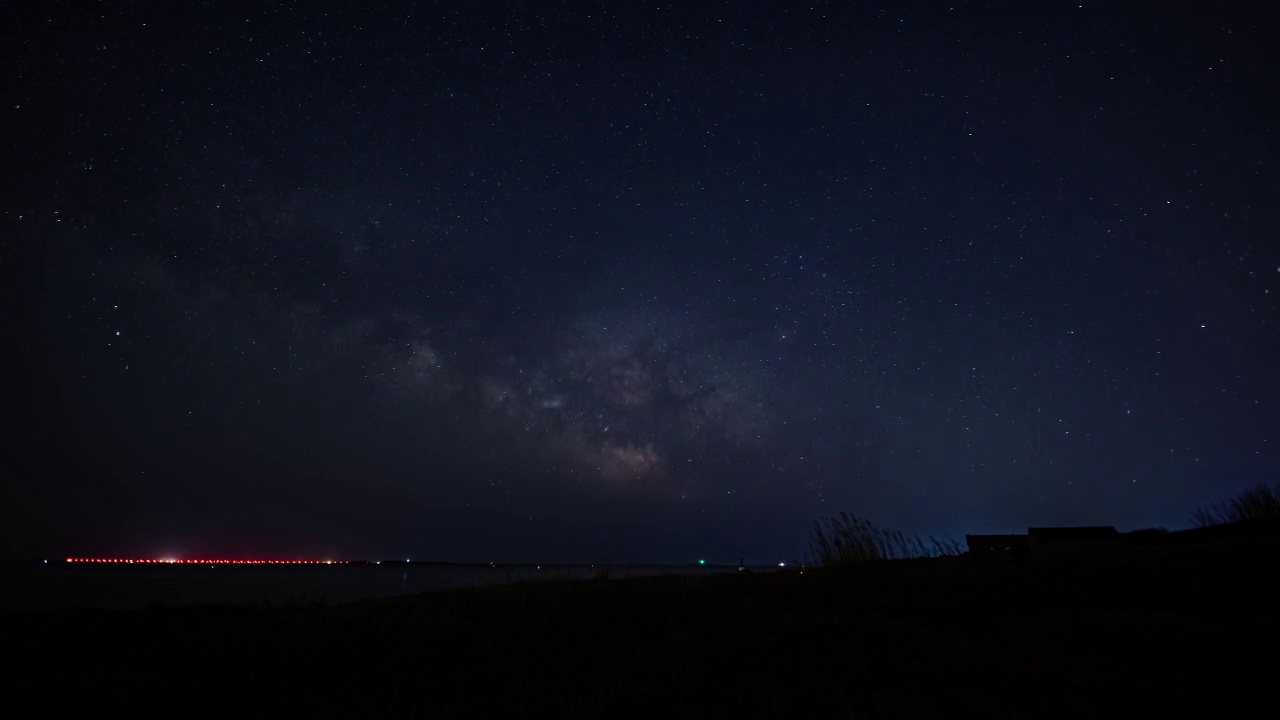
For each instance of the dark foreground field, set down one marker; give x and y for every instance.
(1191, 632)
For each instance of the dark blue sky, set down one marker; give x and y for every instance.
(566, 281)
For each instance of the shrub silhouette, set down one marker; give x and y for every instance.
(1261, 501)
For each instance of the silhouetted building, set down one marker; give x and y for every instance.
(998, 548)
(1073, 543)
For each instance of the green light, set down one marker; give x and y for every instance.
(702, 562)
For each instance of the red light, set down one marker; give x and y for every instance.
(193, 561)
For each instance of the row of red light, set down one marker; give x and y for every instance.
(174, 561)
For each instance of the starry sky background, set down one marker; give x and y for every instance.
(536, 281)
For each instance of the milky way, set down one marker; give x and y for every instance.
(468, 281)
(635, 406)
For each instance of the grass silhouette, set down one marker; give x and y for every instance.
(1260, 502)
(848, 538)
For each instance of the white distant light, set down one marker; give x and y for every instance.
(782, 564)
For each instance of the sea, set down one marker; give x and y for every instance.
(52, 586)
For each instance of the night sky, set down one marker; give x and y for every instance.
(558, 281)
